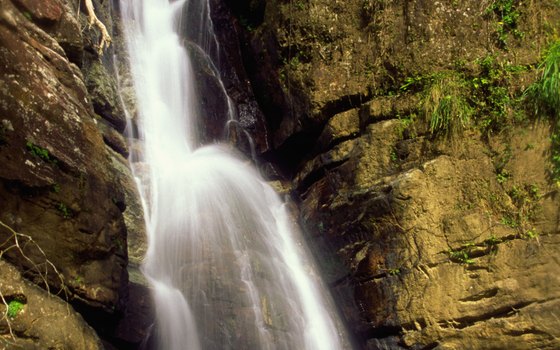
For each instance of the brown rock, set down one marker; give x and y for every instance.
(43, 321)
(57, 183)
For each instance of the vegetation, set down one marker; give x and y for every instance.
(508, 15)
(544, 96)
(462, 254)
(64, 210)
(40, 152)
(14, 307)
(445, 107)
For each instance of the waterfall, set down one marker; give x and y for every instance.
(227, 264)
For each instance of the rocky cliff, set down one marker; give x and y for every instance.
(424, 174)
(64, 180)
(408, 132)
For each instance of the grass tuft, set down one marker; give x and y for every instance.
(445, 107)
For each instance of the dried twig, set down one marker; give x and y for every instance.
(19, 241)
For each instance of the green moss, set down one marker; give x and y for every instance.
(14, 308)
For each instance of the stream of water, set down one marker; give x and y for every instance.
(226, 263)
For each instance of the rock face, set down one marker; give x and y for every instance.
(428, 239)
(64, 178)
(42, 320)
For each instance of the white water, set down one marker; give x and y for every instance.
(226, 264)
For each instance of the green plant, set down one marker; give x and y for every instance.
(445, 106)
(510, 221)
(503, 176)
(393, 155)
(64, 210)
(491, 94)
(531, 234)
(40, 152)
(55, 188)
(79, 280)
(508, 15)
(14, 308)
(544, 96)
(394, 272)
(555, 156)
(463, 254)
(545, 93)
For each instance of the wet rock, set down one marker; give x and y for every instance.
(102, 88)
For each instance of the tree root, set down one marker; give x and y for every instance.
(94, 21)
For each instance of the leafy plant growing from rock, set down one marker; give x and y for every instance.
(40, 152)
(14, 308)
(462, 254)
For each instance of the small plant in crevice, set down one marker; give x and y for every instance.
(502, 176)
(492, 243)
(463, 254)
(394, 272)
(40, 152)
(526, 199)
(393, 155)
(66, 212)
(445, 106)
(14, 308)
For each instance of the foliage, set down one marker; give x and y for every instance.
(526, 199)
(40, 152)
(508, 16)
(545, 93)
(544, 96)
(14, 307)
(462, 255)
(491, 94)
(64, 210)
(445, 106)
(503, 176)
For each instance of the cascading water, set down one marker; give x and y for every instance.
(224, 260)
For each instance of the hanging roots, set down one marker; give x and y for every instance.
(94, 21)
